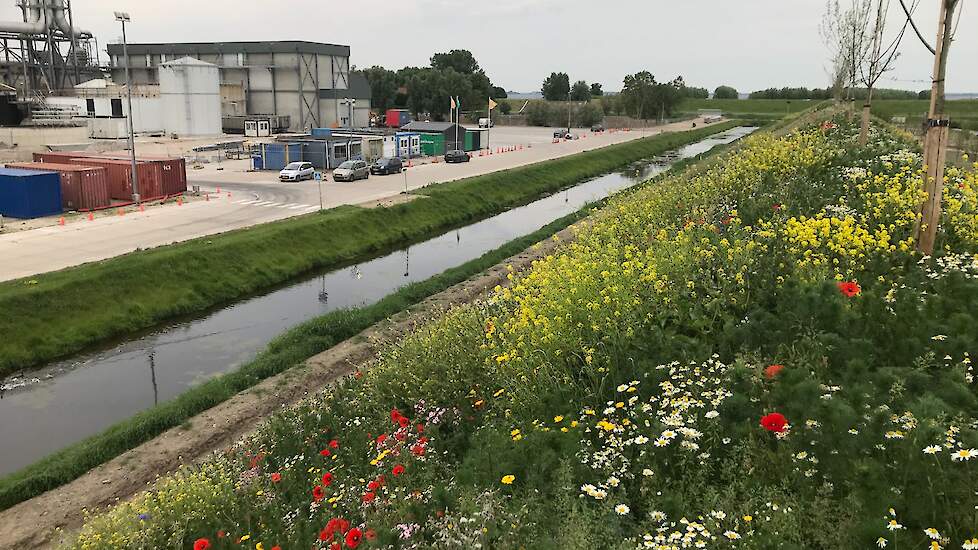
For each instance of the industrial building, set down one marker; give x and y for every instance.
(309, 82)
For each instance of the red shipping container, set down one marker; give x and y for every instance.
(82, 187)
(119, 173)
(172, 171)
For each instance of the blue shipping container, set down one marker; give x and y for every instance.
(277, 155)
(29, 194)
(322, 132)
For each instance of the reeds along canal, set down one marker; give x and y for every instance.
(75, 398)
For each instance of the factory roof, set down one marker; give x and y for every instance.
(195, 48)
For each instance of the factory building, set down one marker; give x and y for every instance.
(309, 82)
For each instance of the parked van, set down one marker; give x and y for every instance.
(486, 123)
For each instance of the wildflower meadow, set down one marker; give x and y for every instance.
(744, 355)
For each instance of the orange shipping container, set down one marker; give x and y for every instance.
(82, 187)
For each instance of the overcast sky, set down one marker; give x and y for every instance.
(749, 44)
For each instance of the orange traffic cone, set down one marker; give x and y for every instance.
(142, 208)
(122, 212)
(180, 201)
(91, 217)
(61, 220)
(229, 195)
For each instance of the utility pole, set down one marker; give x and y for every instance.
(124, 18)
(935, 140)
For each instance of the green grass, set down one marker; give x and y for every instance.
(56, 314)
(962, 112)
(767, 108)
(289, 350)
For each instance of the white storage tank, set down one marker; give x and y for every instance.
(191, 94)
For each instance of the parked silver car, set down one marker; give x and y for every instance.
(351, 170)
(297, 171)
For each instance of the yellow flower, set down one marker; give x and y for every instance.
(508, 479)
(558, 419)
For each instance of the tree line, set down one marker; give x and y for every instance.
(830, 93)
(428, 90)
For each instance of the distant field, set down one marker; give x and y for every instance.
(748, 106)
(962, 112)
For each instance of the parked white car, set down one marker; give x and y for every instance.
(351, 170)
(297, 171)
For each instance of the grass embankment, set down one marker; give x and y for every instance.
(55, 314)
(286, 351)
(757, 108)
(963, 113)
(750, 357)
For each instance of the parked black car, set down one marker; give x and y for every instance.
(456, 156)
(387, 166)
(597, 128)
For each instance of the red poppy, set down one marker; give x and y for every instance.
(418, 450)
(403, 421)
(276, 547)
(327, 479)
(317, 493)
(422, 440)
(370, 534)
(400, 435)
(420, 428)
(395, 414)
(325, 452)
(381, 438)
(373, 486)
(333, 444)
(221, 534)
(776, 206)
(773, 371)
(353, 538)
(336, 546)
(369, 497)
(774, 422)
(398, 470)
(325, 534)
(202, 544)
(849, 288)
(276, 477)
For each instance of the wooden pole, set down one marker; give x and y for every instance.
(935, 140)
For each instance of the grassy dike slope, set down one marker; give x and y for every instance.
(55, 314)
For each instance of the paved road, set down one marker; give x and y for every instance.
(243, 204)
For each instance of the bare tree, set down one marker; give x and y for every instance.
(880, 59)
(845, 31)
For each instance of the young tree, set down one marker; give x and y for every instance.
(556, 87)
(596, 90)
(580, 91)
(846, 33)
(725, 92)
(879, 61)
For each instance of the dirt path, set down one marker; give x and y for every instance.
(34, 524)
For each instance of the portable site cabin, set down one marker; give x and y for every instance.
(439, 137)
(328, 153)
(405, 145)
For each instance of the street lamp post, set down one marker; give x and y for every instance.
(350, 104)
(123, 18)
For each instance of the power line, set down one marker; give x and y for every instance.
(916, 30)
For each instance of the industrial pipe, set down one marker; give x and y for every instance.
(43, 17)
(62, 22)
(33, 25)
